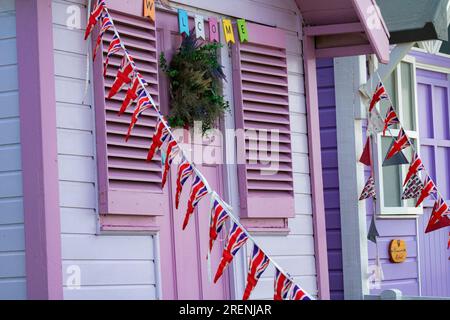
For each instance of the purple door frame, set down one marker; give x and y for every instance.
(37, 102)
(315, 163)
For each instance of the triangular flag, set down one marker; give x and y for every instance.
(143, 104)
(94, 17)
(413, 188)
(132, 92)
(365, 157)
(160, 135)
(415, 166)
(390, 119)
(124, 76)
(282, 286)
(373, 232)
(218, 218)
(106, 25)
(428, 188)
(399, 144)
(439, 216)
(185, 170)
(379, 94)
(237, 238)
(299, 294)
(172, 150)
(114, 46)
(375, 123)
(199, 190)
(258, 264)
(398, 159)
(369, 190)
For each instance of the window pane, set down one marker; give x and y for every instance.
(407, 96)
(391, 178)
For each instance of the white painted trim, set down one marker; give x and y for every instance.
(157, 262)
(401, 212)
(352, 74)
(430, 67)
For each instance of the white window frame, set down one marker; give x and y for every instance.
(381, 209)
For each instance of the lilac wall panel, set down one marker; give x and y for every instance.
(327, 111)
(435, 151)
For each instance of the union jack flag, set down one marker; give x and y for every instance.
(299, 294)
(282, 286)
(236, 239)
(106, 25)
(401, 143)
(198, 191)
(94, 17)
(171, 152)
(258, 264)
(415, 166)
(438, 218)
(380, 94)
(159, 137)
(413, 188)
(369, 190)
(114, 46)
(391, 119)
(185, 170)
(428, 188)
(218, 217)
(132, 93)
(142, 105)
(124, 76)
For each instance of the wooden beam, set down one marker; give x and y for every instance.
(344, 51)
(333, 29)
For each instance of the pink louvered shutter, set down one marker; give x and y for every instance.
(260, 82)
(128, 184)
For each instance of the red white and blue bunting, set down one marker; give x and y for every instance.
(414, 187)
(163, 139)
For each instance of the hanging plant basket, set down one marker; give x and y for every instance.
(195, 78)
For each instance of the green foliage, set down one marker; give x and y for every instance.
(195, 77)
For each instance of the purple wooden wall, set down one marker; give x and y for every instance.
(433, 100)
(327, 112)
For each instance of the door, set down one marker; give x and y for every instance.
(184, 268)
(433, 104)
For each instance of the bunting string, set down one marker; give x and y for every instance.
(203, 188)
